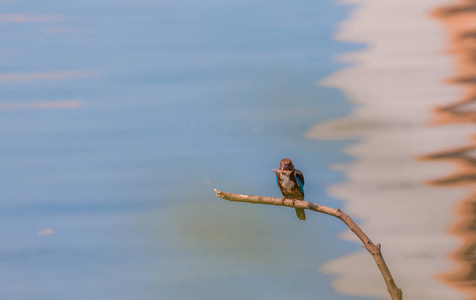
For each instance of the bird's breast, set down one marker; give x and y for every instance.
(286, 182)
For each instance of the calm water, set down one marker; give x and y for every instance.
(118, 118)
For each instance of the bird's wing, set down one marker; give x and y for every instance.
(300, 177)
(300, 180)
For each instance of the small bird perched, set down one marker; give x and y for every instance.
(291, 183)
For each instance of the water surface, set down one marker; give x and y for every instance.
(118, 118)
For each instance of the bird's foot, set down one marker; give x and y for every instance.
(284, 199)
(294, 202)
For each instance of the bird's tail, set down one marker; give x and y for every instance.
(301, 214)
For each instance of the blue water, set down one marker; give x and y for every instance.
(176, 98)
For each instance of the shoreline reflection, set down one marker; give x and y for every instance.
(459, 23)
(396, 83)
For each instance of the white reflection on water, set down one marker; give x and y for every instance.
(396, 83)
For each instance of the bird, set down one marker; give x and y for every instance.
(291, 183)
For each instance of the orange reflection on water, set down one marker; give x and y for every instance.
(27, 18)
(67, 104)
(52, 75)
(460, 21)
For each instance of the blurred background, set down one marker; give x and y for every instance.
(118, 118)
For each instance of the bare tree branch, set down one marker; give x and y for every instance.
(374, 250)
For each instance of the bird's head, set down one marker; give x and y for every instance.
(285, 165)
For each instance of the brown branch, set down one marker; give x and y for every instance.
(373, 249)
